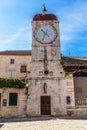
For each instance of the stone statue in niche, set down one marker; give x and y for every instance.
(45, 87)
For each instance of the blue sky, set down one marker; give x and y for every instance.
(16, 30)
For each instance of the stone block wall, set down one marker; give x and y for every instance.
(70, 93)
(55, 89)
(18, 110)
(19, 60)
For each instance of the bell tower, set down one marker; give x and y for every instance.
(46, 80)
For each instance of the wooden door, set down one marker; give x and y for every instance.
(45, 105)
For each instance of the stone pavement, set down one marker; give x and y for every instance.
(44, 123)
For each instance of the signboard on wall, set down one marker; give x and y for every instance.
(4, 102)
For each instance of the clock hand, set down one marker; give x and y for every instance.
(47, 33)
(43, 31)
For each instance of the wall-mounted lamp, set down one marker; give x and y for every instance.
(27, 82)
(27, 85)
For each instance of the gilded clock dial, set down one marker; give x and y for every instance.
(46, 34)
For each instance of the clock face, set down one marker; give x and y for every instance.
(46, 34)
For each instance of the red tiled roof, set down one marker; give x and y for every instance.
(16, 52)
(42, 17)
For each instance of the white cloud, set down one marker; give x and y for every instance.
(73, 21)
(22, 35)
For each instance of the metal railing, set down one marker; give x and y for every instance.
(80, 101)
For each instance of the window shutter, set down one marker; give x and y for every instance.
(13, 99)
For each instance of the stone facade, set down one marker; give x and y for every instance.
(52, 90)
(46, 57)
(18, 110)
(14, 70)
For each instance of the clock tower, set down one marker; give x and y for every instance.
(47, 95)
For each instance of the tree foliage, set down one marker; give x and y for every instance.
(11, 83)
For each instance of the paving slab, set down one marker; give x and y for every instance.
(44, 123)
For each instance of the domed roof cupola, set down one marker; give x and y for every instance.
(44, 16)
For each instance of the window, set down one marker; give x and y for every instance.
(23, 69)
(68, 100)
(11, 61)
(13, 99)
(11, 73)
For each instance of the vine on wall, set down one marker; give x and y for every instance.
(11, 83)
